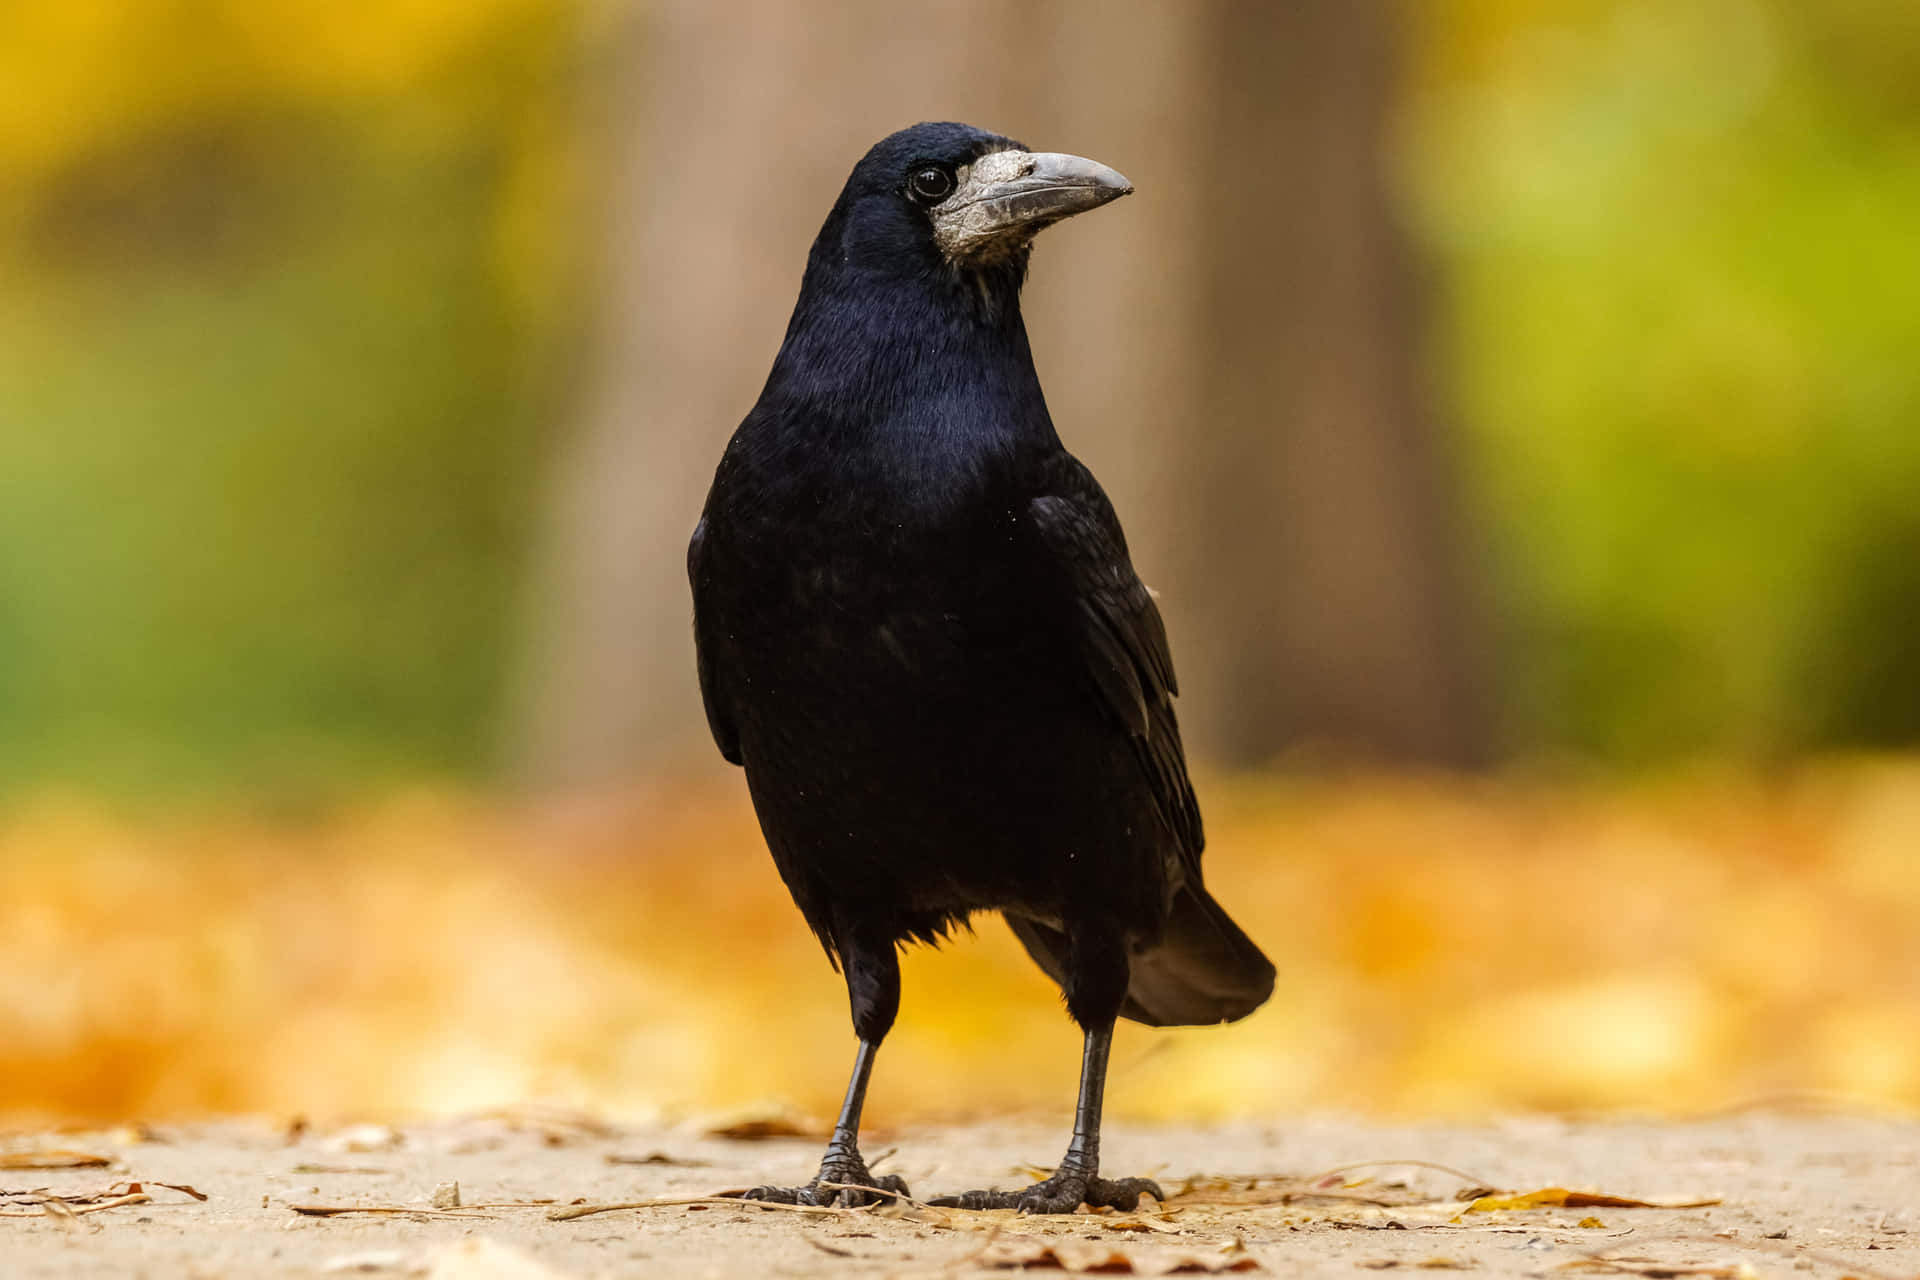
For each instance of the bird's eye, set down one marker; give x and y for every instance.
(931, 184)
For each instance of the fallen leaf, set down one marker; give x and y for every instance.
(657, 1157)
(1082, 1258)
(1561, 1198)
(1591, 1224)
(1136, 1222)
(759, 1128)
(52, 1160)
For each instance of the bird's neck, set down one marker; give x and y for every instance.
(938, 362)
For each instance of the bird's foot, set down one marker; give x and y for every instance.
(839, 1183)
(1064, 1192)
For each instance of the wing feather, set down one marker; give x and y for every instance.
(1123, 641)
(726, 735)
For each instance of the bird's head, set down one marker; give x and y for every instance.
(955, 197)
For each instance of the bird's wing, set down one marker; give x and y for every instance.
(1122, 642)
(726, 735)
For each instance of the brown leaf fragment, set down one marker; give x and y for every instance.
(341, 1210)
(128, 1188)
(1083, 1258)
(52, 1159)
(759, 1128)
(183, 1189)
(656, 1157)
(1136, 1222)
(1058, 1255)
(833, 1249)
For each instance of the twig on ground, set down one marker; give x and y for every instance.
(1471, 1179)
(54, 1206)
(418, 1211)
(585, 1210)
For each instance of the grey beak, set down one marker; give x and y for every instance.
(1008, 196)
(1055, 186)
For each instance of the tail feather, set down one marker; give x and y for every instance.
(1204, 970)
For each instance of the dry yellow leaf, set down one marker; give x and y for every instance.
(52, 1160)
(1561, 1198)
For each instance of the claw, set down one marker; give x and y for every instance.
(1062, 1193)
(838, 1186)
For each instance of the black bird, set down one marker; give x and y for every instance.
(920, 634)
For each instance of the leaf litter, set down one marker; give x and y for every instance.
(1384, 1194)
(53, 1159)
(43, 1203)
(1081, 1257)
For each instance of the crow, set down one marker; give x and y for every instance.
(920, 634)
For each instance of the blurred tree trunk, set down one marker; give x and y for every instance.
(1232, 351)
(1324, 599)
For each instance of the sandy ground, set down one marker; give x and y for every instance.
(1824, 1195)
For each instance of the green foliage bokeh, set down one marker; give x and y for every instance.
(1682, 323)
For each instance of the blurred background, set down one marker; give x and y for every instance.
(1516, 406)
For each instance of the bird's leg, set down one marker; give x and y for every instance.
(1096, 985)
(1077, 1181)
(873, 985)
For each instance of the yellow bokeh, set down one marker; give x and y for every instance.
(1443, 948)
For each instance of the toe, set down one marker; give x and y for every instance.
(1123, 1193)
(1062, 1200)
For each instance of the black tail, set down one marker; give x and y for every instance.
(1205, 969)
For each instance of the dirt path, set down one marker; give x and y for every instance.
(1826, 1196)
